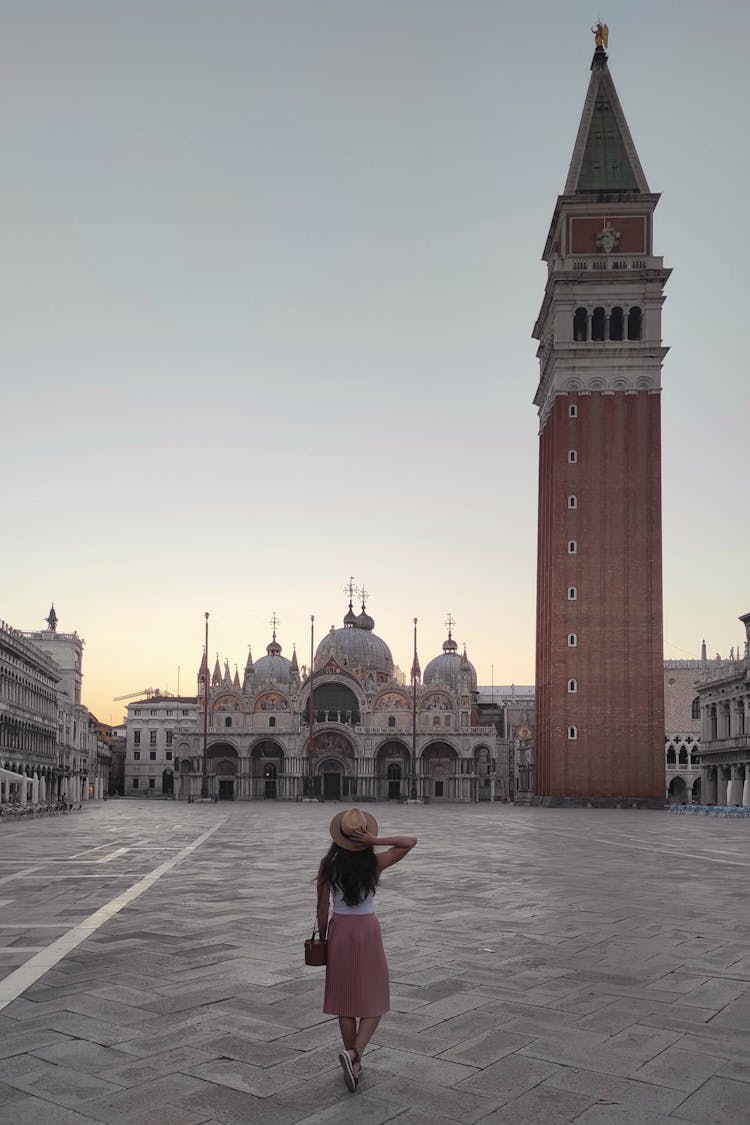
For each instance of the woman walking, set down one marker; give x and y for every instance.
(357, 988)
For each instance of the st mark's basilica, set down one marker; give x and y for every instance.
(368, 740)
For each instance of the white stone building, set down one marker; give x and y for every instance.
(44, 728)
(725, 746)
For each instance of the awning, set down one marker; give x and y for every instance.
(9, 775)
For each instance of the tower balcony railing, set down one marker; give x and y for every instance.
(575, 263)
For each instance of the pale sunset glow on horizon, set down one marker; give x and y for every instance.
(270, 270)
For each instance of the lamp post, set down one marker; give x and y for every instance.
(204, 774)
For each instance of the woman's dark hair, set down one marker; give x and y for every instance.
(354, 874)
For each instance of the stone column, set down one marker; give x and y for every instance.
(746, 788)
(734, 796)
(721, 785)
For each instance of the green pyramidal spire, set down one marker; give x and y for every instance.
(604, 157)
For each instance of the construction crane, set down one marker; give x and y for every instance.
(147, 691)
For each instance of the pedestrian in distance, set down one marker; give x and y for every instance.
(357, 988)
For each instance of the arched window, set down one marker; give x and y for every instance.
(391, 722)
(671, 759)
(695, 708)
(634, 323)
(572, 456)
(573, 411)
(597, 324)
(272, 720)
(572, 640)
(573, 732)
(572, 502)
(616, 323)
(572, 547)
(227, 722)
(572, 686)
(682, 757)
(572, 594)
(580, 325)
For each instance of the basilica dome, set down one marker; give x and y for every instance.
(273, 666)
(356, 646)
(449, 666)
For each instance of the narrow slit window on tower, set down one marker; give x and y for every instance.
(572, 547)
(572, 594)
(572, 457)
(634, 323)
(580, 325)
(597, 323)
(572, 733)
(572, 686)
(572, 502)
(572, 640)
(573, 411)
(616, 323)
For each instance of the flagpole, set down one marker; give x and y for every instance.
(204, 775)
(414, 676)
(312, 689)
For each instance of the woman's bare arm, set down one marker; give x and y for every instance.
(323, 904)
(398, 847)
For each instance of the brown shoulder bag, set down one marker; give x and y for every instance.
(316, 948)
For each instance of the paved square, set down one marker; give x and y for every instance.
(547, 966)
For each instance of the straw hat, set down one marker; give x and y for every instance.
(352, 820)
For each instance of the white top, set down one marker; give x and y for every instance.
(366, 906)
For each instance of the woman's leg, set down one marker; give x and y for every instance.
(365, 1032)
(348, 1026)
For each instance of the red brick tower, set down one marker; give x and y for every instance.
(600, 678)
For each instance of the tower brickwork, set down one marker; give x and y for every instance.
(600, 690)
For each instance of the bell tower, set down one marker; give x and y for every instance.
(599, 663)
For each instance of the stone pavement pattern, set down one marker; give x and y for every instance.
(547, 966)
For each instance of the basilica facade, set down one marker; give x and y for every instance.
(348, 730)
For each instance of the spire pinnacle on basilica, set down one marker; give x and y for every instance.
(216, 678)
(450, 645)
(274, 649)
(236, 680)
(227, 674)
(249, 666)
(604, 156)
(295, 665)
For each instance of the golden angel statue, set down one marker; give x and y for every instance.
(601, 34)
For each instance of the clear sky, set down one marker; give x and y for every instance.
(269, 272)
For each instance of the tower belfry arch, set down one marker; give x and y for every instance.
(599, 532)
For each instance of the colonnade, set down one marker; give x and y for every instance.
(726, 785)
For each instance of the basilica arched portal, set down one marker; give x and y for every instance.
(439, 763)
(222, 767)
(267, 762)
(331, 756)
(392, 769)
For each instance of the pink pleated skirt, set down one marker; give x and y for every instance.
(357, 971)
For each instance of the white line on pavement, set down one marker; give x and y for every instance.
(26, 975)
(113, 855)
(19, 874)
(88, 851)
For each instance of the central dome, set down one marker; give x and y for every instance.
(356, 646)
